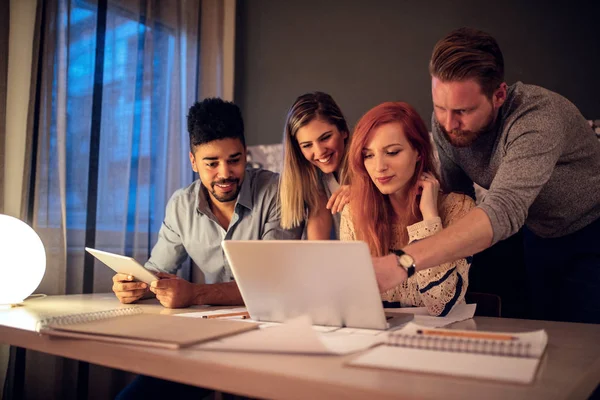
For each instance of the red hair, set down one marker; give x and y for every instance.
(371, 211)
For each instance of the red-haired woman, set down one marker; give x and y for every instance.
(396, 200)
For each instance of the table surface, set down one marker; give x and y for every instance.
(570, 368)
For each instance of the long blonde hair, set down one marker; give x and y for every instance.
(300, 188)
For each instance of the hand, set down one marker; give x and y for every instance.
(126, 290)
(339, 199)
(429, 188)
(388, 273)
(172, 291)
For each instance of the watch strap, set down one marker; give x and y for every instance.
(410, 270)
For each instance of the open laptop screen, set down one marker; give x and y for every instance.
(331, 281)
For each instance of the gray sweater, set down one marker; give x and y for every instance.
(540, 163)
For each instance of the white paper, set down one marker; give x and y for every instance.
(460, 312)
(516, 364)
(502, 368)
(295, 336)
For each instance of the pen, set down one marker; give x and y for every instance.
(243, 315)
(464, 334)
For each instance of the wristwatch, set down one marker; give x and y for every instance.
(405, 261)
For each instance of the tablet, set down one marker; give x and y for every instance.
(123, 265)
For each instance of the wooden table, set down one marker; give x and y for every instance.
(570, 367)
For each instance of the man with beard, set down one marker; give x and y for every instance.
(540, 160)
(228, 202)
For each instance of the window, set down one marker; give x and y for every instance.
(134, 130)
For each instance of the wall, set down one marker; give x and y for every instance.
(366, 54)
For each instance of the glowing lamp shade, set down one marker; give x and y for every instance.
(22, 260)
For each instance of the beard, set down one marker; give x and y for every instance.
(465, 138)
(226, 197)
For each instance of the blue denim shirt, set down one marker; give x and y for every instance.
(191, 229)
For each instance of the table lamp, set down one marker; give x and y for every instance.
(22, 260)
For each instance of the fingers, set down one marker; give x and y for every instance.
(167, 299)
(339, 204)
(164, 282)
(427, 180)
(333, 198)
(339, 199)
(128, 300)
(130, 296)
(428, 177)
(161, 292)
(122, 278)
(131, 293)
(121, 286)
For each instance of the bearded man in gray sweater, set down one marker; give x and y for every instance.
(540, 161)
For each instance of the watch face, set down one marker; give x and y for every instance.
(406, 260)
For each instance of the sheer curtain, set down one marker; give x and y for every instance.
(107, 143)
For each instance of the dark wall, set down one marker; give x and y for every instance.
(364, 53)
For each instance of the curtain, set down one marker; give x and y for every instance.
(4, 30)
(107, 144)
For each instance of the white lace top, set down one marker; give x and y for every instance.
(438, 288)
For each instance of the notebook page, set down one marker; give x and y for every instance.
(501, 368)
(527, 344)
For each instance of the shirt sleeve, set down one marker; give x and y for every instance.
(272, 229)
(531, 153)
(441, 287)
(168, 253)
(346, 226)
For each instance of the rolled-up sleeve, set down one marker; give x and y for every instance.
(168, 253)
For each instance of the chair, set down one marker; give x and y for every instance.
(488, 304)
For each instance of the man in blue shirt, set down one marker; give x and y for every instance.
(228, 202)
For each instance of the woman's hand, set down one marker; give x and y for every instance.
(429, 188)
(339, 199)
(388, 273)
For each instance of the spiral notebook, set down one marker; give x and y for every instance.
(512, 357)
(130, 325)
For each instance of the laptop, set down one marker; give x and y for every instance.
(331, 281)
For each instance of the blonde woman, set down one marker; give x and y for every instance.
(313, 184)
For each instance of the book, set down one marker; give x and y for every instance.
(512, 357)
(130, 325)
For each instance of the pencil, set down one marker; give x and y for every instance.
(464, 334)
(243, 314)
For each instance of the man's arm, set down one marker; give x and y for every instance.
(167, 255)
(174, 292)
(467, 236)
(527, 166)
